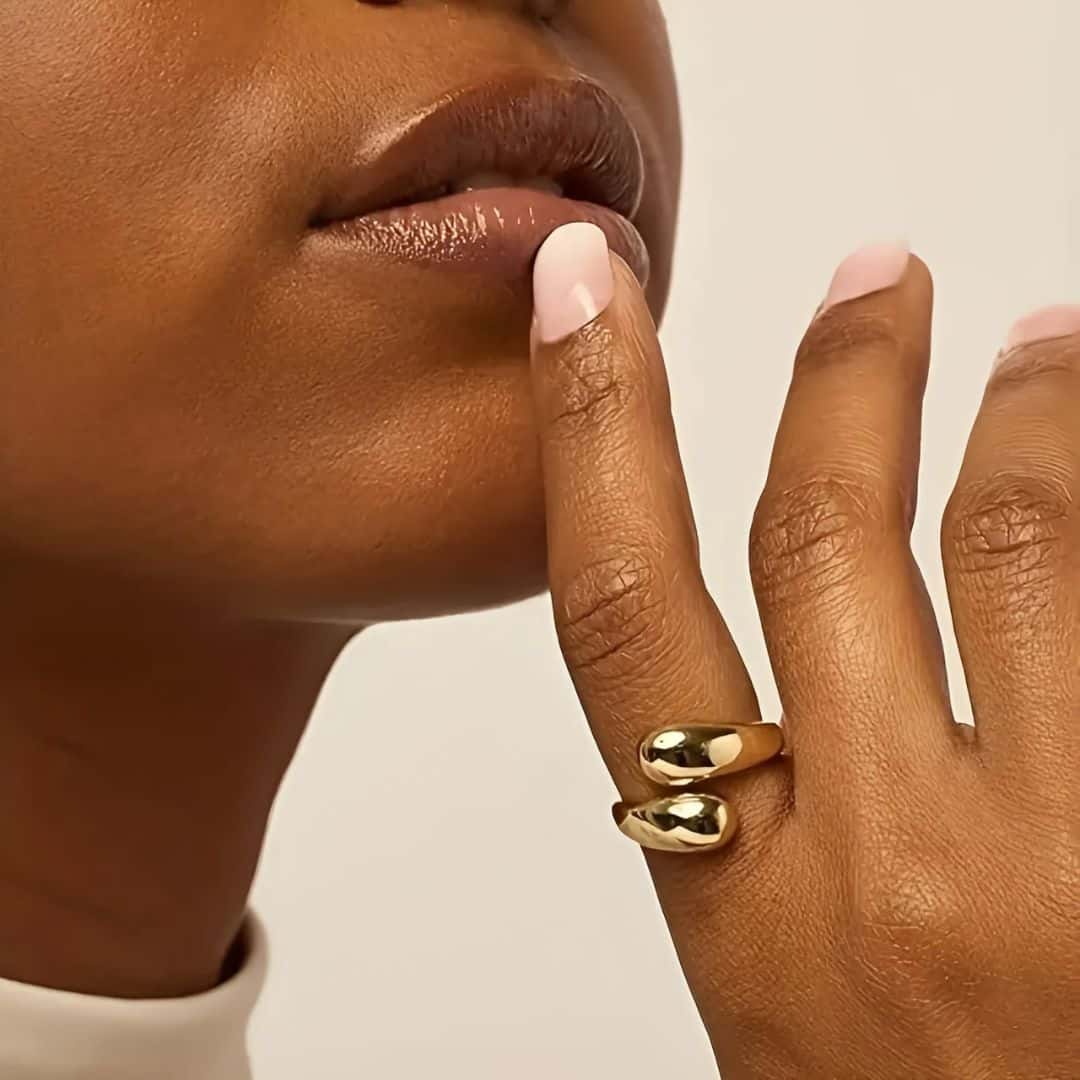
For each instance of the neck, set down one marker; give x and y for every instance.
(138, 765)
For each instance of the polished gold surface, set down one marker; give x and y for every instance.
(689, 822)
(677, 756)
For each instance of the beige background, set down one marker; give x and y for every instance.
(537, 952)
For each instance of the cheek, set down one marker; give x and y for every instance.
(124, 149)
(115, 117)
(138, 146)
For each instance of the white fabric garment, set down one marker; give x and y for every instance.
(53, 1035)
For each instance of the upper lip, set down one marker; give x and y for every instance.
(569, 130)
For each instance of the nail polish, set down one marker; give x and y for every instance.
(572, 281)
(1046, 324)
(866, 271)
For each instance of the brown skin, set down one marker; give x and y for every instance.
(221, 451)
(901, 900)
(220, 458)
(255, 423)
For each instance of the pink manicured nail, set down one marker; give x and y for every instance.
(572, 280)
(1044, 325)
(868, 270)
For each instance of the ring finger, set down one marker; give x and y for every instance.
(850, 630)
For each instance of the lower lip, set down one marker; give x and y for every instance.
(497, 230)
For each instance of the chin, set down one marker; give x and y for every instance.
(473, 542)
(465, 579)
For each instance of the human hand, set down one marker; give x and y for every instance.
(901, 898)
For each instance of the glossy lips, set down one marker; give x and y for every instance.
(569, 133)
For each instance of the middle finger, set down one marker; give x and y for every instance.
(850, 630)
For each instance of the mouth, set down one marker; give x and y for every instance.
(479, 181)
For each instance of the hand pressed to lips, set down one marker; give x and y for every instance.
(902, 902)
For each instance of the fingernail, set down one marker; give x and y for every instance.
(1046, 324)
(868, 270)
(572, 280)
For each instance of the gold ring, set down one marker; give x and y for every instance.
(678, 756)
(686, 823)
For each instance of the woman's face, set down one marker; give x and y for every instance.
(228, 369)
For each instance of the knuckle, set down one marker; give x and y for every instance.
(587, 385)
(918, 924)
(808, 542)
(1008, 534)
(838, 336)
(610, 618)
(908, 923)
(910, 902)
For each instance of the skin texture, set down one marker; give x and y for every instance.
(197, 355)
(221, 455)
(222, 448)
(901, 899)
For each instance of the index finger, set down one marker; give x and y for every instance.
(644, 642)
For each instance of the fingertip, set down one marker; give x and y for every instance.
(921, 277)
(881, 283)
(624, 272)
(1045, 324)
(868, 270)
(573, 281)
